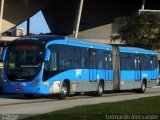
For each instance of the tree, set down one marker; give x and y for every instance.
(139, 30)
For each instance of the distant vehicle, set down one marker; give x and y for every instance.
(62, 65)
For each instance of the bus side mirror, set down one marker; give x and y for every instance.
(47, 55)
(2, 58)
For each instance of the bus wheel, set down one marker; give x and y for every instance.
(28, 95)
(143, 88)
(100, 89)
(64, 91)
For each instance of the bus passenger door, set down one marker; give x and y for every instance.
(108, 66)
(152, 67)
(137, 68)
(108, 71)
(153, 62)
(153, 71)
(92, 65)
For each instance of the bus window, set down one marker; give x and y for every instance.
(51, 65)
(64, 53)
(154, 62)
(100, 59)
(127, 61)
(80, 58)
(93, 60)
(145, 64)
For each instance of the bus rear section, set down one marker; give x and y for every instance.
(139, 68)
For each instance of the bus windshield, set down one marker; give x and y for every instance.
(23, 62)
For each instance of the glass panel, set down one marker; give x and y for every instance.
(23, 61)
(51, 65)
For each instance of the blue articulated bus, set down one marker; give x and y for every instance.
(63, 65)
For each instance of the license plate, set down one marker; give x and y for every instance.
(18, 89)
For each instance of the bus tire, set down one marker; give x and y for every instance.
(143, 87)
(64, 91)
(1, 90)
(100, 89)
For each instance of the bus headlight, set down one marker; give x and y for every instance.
(36, 81)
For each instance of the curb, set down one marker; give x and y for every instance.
(156, 87)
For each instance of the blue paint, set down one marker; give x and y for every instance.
(79, 74)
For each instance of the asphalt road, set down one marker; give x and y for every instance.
(16, 104)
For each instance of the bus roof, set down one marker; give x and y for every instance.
(58, 39)
(136, 50)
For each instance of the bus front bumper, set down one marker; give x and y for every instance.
(23, 90)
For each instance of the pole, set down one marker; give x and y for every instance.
(1, 17)
(78, 19)
(143, 4)
(28, 26)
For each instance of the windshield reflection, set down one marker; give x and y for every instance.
(23, 62)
